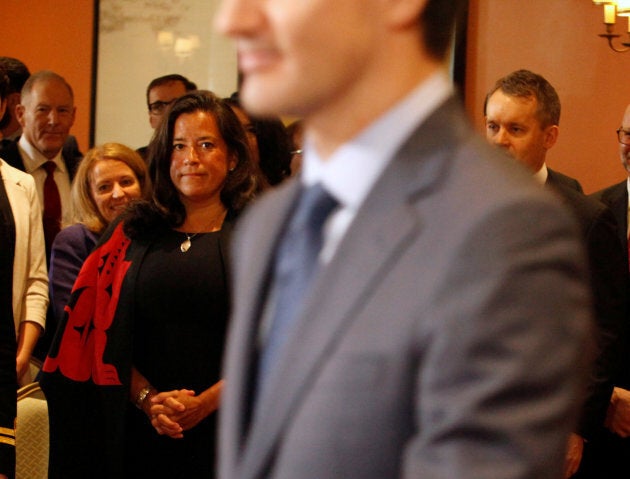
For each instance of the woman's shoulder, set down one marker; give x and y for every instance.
(75, 234)
(143, 220)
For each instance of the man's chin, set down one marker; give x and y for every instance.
(50, 150)
(261, 99)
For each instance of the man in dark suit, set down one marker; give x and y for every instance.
(616, 196)
(46, 113)
(613, 449)
(522, 113)
(10, 127)
(439, 331)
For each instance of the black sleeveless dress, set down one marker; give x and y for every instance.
(181, 313)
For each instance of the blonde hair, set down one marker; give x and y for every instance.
(84, 209)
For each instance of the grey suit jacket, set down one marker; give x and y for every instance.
(443, 339)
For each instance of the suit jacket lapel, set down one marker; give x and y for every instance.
(385, 223)
(251, 275)
(619, 206)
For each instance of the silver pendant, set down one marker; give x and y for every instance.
(185, 246)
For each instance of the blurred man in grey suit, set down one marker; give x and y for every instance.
(441, 332)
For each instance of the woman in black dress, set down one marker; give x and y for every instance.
(163, 338)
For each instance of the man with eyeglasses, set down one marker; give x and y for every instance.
(616, 196)
(615, 444)
(161, 92)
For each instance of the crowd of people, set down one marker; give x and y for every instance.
(240, 298)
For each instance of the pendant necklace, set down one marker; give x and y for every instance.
(187, 243)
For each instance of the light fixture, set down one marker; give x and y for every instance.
(612, 10)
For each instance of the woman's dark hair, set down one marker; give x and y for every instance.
(274, 144)
(4, 84)
(166, 208)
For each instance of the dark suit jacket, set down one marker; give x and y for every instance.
(143, 151)
(616, 197)
(444, 338)
(11, 154)
(609, 280)
(556, 178)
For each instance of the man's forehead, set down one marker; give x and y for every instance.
(43, 90)
(169, 88)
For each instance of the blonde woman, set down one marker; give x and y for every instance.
(108, 178)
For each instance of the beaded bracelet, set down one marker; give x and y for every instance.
(142, 395)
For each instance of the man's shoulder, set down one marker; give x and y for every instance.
(611, 192)
(10, 153)
(591, 211)
(75, 237)
(557, 178)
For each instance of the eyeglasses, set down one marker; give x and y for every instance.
(158, 107)
(623, 136)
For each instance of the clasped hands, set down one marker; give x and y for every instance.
(173, 412)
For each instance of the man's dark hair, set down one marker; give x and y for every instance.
(4, 83)
(526, 84)
(438, 22)
(163, 80)
(17, 73)
(274, 144)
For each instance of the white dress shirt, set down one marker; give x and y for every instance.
(352, 170)
(34, 164)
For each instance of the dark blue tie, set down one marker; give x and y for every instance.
(294, 268)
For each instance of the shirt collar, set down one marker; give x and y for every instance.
(351, 171)
(542, 174)
(33, 159)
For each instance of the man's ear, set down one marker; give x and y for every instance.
(551, 136)
(404, 13)
(19, 113)
(3, 106)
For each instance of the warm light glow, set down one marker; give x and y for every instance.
(610, 12)
(183, 47)
(165, 39)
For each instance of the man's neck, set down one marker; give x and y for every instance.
(340, 121)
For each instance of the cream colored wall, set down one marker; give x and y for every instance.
(58, 35)
(131, 55)
(559, 40)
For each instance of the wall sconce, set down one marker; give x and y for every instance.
(612, 10)
(182, 47)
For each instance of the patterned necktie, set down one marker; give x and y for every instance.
(295, 265)
(52, 206)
